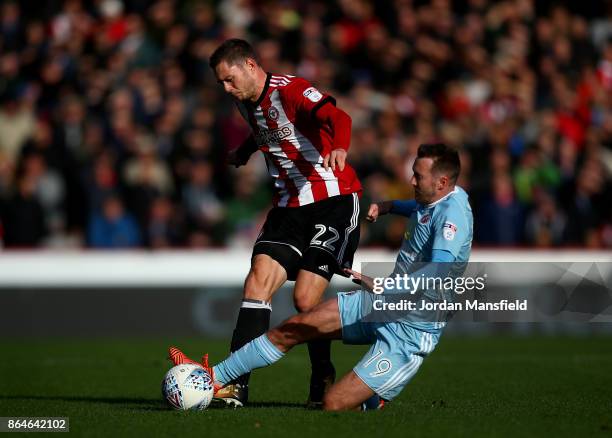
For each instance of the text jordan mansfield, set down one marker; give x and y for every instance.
(403, 305)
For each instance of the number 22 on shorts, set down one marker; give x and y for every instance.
(325, 243)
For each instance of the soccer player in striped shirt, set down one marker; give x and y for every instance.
(312, 231)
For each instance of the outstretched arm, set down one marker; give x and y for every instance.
(402, 208)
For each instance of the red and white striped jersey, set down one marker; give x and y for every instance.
(294, 143)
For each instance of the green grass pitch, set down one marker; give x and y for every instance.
(491, 386)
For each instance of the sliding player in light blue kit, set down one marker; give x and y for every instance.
(439, 230)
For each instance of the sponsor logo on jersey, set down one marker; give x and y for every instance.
(425, 219)
(448, 230)
(273, 135)
(312, 94)
(324, 268)
(273, 113)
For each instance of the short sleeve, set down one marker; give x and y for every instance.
(306, 98)
(450, 231)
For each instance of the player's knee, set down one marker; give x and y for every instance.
(331, 402)
(305, 302)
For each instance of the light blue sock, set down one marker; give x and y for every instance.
(258, 353)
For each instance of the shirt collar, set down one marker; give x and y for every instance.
(455, 190)
(264, 91)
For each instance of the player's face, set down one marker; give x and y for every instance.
(237, 80)
(423, 180)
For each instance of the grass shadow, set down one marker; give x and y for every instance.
(273, 404)
(141, 404)
(146, 403)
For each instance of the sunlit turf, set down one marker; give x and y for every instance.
(493, 386)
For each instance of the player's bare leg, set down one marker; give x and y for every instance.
(264, 278)
(308, 291)
(323, 321)
(347, 394)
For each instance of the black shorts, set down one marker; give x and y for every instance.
(321, 237)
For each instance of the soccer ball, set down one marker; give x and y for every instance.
(187, 386)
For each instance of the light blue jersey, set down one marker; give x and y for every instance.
(444, 225)
(437, 232)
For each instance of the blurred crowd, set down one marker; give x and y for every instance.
(113, 130)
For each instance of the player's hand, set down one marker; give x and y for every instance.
(360, 279)
(378, 209)
(233, 159)
(337, 157)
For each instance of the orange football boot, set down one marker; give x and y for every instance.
(179, 358)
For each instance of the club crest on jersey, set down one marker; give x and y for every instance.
(273, 113)
(425, 219)
(448, 230)
(312, 94)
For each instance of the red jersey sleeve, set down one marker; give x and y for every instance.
(340, 123)
(305, 98)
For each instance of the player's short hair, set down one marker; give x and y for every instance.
(445, 159)
(234, 52)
